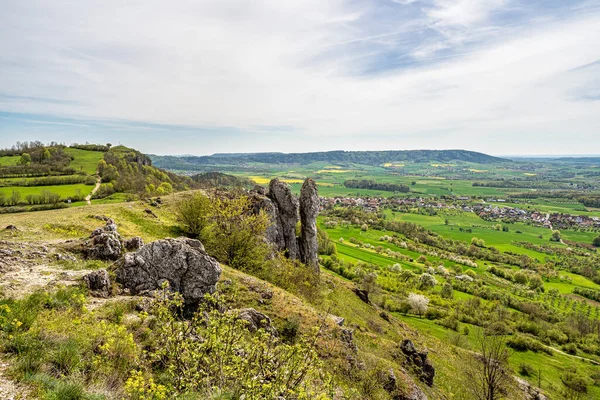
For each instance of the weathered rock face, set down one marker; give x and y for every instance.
(287, 207)
(104, 243)
(182, 262)
(418, 361)
(98, 282)
(273, 234)
(309, 209)
(134, 243)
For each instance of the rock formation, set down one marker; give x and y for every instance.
(309, 209)
(418, 361)
(182, 262)
(284, 211)
(104, 243)
(256, 320)
(287, 216)
(98, 282)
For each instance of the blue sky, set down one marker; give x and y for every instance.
(198, 77)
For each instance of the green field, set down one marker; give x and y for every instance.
(9, 160)
(85, 160)
(65, 191)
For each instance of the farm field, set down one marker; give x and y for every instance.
(65, 191)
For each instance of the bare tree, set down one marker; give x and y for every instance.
(487, 375)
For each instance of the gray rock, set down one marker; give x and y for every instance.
(104, 243)
(256, 320)
(339, 321)
(182, 262)
(348, 339)
(134, 243)
(98, 282)
(309, 209)
(273, 234)
(64, 257)
(418, 361)
(287, 206)
(411, 392)
(530, 392)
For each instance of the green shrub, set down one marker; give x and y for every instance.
(526, 370)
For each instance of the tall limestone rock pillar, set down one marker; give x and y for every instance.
(309, 209)
(287, 207)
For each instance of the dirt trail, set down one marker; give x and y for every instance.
(88, 198)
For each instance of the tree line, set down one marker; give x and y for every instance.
(373, 185)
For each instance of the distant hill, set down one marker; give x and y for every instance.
(218, 179)
(359, 157)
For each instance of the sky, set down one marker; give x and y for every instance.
(211, 76)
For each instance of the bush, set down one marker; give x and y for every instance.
(192, 213)
(196, 366)
(523, 343)
(570, 348)
(526, 370)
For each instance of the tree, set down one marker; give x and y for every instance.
(369, 283)
(486, 373)
(235, 235)
(426, 281)
(596, 241)
(447, 291)
(192, 213)
(555, 236)
(25, 159)
(418, 303)
(325, 245)
(575, 386)
(364, 227)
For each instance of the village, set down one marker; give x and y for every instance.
(481, 207)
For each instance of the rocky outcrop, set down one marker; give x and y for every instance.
(418, 361)
(98, 282)
(134, 243)
(284, 211)
(256, 320)
(530, 392)
(273, 234)
(104, 243)
(362, 294)
(309, 209)
(182, 262)
(287, 215)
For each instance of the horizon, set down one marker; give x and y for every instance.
(492, 76)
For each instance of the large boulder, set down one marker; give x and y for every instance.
(287, 206)
(182, 262)
(309, 209)
(104, 243)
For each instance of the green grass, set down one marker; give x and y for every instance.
(85, 160)
(65, 191)
(9, 160)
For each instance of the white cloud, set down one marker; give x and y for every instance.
(247, 64)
